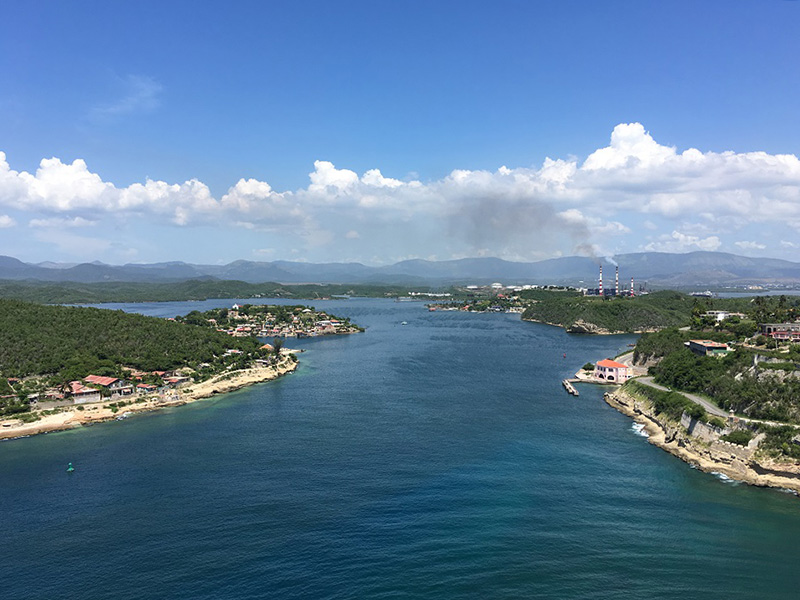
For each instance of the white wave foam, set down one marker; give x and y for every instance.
(724, 478)
(638, 429)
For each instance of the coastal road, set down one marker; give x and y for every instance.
(711, 408)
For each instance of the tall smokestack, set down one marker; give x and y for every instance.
(631, 287)
(601, 280)
(616, 282)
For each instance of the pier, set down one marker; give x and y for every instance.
(569, 387)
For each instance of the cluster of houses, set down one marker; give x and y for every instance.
(305, 324)
(94, 388)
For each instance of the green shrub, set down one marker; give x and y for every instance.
(740, 436)
(717, 422)
(778, 440)
(671, 404)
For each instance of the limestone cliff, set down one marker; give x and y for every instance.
(705, 450)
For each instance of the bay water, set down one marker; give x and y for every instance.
(439, 458)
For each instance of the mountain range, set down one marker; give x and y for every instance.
(658, 269)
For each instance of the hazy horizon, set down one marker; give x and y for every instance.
(609, 260)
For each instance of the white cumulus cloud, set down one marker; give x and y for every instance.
(681, 242)
(563, 205)
(745, 245)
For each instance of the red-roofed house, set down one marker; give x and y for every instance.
(99, 380)
(114, 385)
(611, 370)
(81, 393)
(177, 380)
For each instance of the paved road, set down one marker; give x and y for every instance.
(712, 408)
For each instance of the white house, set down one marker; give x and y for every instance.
(611, 370)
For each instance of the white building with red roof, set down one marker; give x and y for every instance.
(82, 394)
(116, 386)
(611, 370)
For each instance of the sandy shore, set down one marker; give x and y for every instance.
(719, 457)
(70, 417)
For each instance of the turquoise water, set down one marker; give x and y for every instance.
(440, 459)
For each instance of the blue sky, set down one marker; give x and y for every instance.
(378, 131)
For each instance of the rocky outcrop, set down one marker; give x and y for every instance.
(581, 326)
(712, 456)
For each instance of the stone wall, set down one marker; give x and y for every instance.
(701, 430)
(714, 456)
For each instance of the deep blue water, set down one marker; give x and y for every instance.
(440, 459)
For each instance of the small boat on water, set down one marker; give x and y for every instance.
(70, 468)
(404, 323)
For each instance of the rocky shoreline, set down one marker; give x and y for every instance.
(712, 456)
(100, 412)
(581, 326)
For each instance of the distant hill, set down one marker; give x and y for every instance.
(658, 269)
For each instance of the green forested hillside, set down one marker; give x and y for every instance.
(622, 314)
(90, 293)
(741, 381)
(72, 342)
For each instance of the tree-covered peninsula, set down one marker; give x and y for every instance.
(65, 342)
(94, 361)
(621, 314)
(654, 311)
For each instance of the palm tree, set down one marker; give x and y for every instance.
(65, 388)
(277, 344)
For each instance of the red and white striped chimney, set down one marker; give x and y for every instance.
(616, 282)
(631, 287)
(601, 280)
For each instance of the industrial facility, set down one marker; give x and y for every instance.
(615, 291)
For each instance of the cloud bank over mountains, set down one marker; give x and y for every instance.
(634, 194)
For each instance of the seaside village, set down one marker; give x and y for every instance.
(278, 321)
(97, 388)
(238, 321)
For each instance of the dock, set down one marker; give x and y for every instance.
(569, 387)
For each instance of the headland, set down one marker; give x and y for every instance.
(697, 445)
(71, 417)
